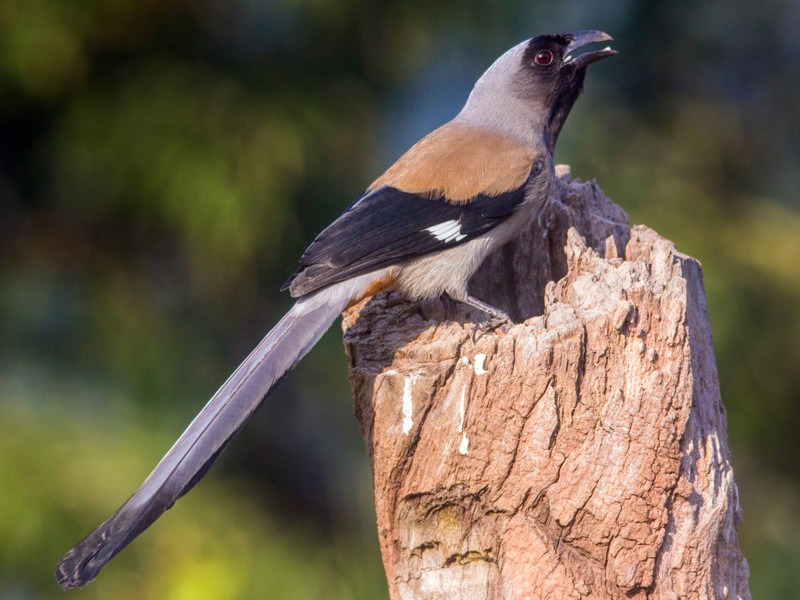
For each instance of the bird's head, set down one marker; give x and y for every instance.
(529, 90)
(548, 63)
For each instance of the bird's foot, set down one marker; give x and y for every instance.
(498, 318)
(490, 325)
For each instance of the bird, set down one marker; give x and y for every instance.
(422, 229)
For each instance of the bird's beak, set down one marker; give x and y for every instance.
(581, 39)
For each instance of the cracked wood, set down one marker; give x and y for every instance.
(579, 454)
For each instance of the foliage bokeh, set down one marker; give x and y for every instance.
(163, 165)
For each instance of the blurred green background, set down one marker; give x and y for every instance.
(163, 163)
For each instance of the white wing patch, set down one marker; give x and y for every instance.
(448, 231)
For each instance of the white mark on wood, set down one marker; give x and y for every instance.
(462, 410)
(480, 361)
(408, 405)
(463, 448)
(713, 447)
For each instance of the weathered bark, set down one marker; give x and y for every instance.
(580, 453)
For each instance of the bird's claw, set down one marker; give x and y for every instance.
(487, 326)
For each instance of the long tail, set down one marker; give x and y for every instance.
(199, 446)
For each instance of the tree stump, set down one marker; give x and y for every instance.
(579, 453)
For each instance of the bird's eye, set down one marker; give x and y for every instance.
(543, 58)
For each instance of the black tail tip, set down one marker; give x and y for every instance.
(73, 572)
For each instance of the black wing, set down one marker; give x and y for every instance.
(387, 226)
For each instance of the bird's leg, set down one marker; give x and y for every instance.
(497, 316)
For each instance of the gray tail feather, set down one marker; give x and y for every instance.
(199, 446)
